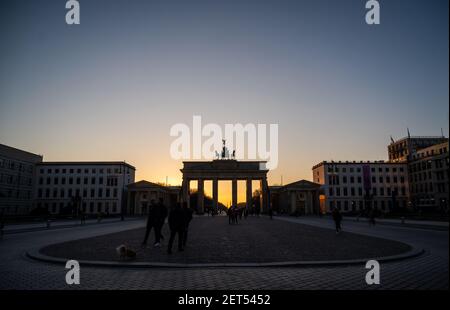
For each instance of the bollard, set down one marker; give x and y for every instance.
(403, 220)
(48, 224)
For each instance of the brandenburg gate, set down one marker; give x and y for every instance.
(224, 169)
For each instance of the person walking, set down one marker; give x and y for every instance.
(372, 216)
(188, 218)
(177, 224)
(82, 217)
(337, 217)
(160, 214)
(151, 223)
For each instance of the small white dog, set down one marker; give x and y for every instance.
(125, 252)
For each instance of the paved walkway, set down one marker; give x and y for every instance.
(55, 224)
(254, 240)
(429, 271)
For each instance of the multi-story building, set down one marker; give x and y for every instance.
(358, 186)
(65, 187)
(429, 178)
(17, 171)
(402, 150)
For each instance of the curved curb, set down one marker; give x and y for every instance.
(35, 254)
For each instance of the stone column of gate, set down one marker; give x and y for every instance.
(200, 196)
(248, 200)
(264, 188)
(234, 192)
(185, 187)
(215, 190)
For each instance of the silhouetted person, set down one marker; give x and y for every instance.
(337, 217)
(82, 217)
(2, 222)
(188, 218)
(152, 222)
(177, 224)
(372, 216)
(160, 214)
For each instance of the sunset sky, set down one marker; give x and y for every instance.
(111, 87)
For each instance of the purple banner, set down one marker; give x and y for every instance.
(366, 178)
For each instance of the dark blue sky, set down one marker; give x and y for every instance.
(336, 86)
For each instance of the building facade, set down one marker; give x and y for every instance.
(141, 195)
(360, 186)
(297, 198)
(429, 178)
(94, 187)
(17, 175)
(403, 149)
